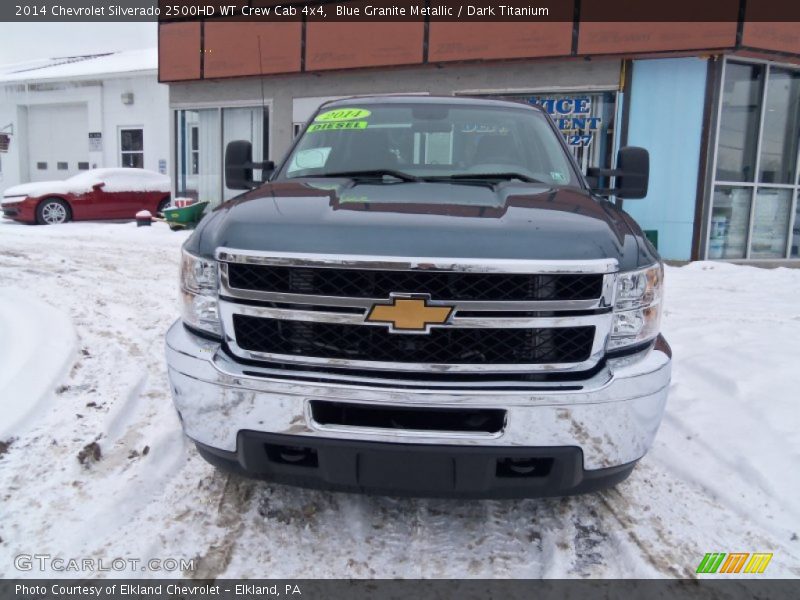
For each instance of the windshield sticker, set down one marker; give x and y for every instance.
(558, 177)
(312, 158)
(337, 126)
(343, 114)
(483, 128)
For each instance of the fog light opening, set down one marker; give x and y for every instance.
(298, 456)
(524, 467)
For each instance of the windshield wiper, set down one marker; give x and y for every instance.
(372, 174)
(484, 176)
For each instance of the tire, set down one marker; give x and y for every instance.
(53, 211)
(162, 205)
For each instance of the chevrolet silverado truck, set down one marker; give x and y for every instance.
(426, 297)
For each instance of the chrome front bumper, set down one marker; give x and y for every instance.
(613, 418)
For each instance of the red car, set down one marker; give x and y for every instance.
(95, 194)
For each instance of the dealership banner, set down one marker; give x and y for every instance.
(360, 589)
(534, 11)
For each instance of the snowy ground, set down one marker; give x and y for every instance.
(94, 301)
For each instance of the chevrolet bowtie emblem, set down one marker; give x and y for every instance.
(413, 314)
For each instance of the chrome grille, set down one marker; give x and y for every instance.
(443, 345)
(509, 316)
(365, 283)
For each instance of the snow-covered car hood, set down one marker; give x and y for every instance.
(36, 188)
(116, 180)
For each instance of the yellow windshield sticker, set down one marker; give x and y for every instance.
(343, 114)
(337, 126)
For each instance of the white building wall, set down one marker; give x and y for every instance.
(106, 114)
(150, 110)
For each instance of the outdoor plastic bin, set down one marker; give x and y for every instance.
(186, 216)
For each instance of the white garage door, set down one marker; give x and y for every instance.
(58, 140)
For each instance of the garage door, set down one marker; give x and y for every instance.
(58, 140)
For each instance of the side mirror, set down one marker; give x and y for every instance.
(239, 166)
(634, 166)
(237, 175)
(99, 186)
(632, 174)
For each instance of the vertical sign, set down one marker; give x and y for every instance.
(95, 141)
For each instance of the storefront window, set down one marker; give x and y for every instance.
(586, 120)
(759, 133)
(780, 137)
(729, 222)
(738, 127)
(770, 223)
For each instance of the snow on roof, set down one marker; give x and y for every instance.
(89, 65)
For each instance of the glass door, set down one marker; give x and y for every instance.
(201, 137)
(199, 158)
(245, 124)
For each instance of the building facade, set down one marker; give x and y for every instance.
(717, 104)
(66, 115)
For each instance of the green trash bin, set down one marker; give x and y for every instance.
(185, 217)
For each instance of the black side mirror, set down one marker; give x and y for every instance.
(238, 176)
(239, 166)
(634, 166)
(632, 174)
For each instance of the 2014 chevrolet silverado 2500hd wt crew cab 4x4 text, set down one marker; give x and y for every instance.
(424, 298)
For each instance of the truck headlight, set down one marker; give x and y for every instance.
(199, 296)
(637, 307)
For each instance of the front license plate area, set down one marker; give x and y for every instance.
(406, 471)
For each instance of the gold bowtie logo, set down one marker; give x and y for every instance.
(409, 315)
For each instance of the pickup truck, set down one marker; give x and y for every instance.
(426, 297)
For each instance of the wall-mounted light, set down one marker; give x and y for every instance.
(127, 98)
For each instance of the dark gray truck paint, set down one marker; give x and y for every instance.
(442, 219)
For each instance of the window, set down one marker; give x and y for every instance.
(195, 150)
(586, 120)
(62, 166)
(754, 200)
(131, 145)
(83, 166)
(781, 129)
(738, 129)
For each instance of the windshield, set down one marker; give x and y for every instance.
(431, 141)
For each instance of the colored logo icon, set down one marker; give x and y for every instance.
(736, 562)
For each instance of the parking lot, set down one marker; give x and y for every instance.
(93, 462)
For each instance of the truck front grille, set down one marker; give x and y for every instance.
(439, 316)
(442, 346)
(362, 283)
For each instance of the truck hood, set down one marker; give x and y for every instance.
(423, 219)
